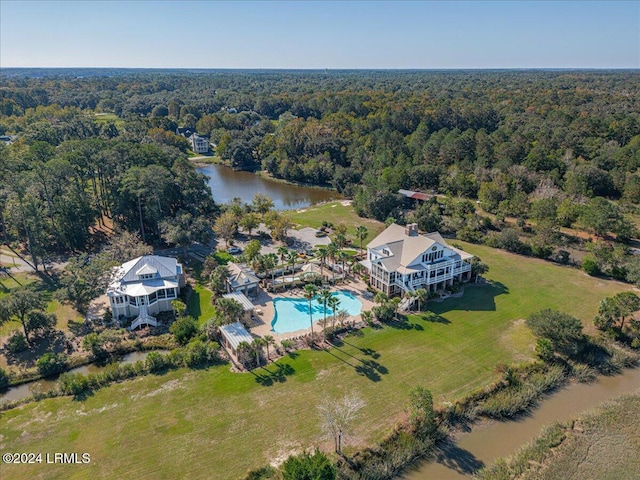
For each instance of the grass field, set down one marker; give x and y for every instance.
(336, 213)
(108, 117)
(214, 423)
(600, 444)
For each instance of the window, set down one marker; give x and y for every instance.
(132, 301)
(162, 293)
(153, 297)
(118, 300)
(145, 276)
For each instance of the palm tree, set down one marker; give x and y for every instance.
(291, 261)
(340, 239)
(333, 303)
(357, 268)
(422, 295)
(322, 253)
(310, 292)
(257, 348)
(323, 297)
(396, 302)
(361, 234)
(268, 341)
(343, 257)
(271, 262)
(478, 268)
(332, 251)
(380, 298)
(242, 350)
(283, 252)
(366, 316)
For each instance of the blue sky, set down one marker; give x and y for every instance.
(320, 34)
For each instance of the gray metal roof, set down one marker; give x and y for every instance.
(242, 299)
(235, 333)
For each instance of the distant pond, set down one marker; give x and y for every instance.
(226, 184)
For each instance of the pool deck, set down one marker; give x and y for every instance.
(264, 302)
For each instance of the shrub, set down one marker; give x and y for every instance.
(51, 364)
(184, 329)
(263, 473)
(155, 362)
(4, 379)
(73, 384)
(563, 330)
(196, 353)
(590, 266)
(17, 343)
(94, 344)
(309, 467)
(544, 349)
(421, 414)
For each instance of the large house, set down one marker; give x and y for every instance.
(143, 287)
(401, 260)
(199, 144)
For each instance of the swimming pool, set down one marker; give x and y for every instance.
(293, 313)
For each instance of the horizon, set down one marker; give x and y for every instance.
(312, 35)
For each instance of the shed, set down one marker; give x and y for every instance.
(242, 299)
(234, 334)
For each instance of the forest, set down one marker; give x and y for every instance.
(536, 152)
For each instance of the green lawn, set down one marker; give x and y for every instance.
(216, 424)
(199, 304)
(336, 213)
(108, 117)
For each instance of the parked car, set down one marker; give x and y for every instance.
(235, 250)
(321, 233)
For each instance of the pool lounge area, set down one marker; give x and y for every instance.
(292, 314)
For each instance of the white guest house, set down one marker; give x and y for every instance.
(143, 287)
(401, 260)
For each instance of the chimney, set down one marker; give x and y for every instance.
(411, 230)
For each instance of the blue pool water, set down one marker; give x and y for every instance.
(293, 313)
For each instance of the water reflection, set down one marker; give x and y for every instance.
(226, 184)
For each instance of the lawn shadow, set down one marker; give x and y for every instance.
(55, 342)
(403, 324)
(78, 328)
(193, 303)
(370, 352)
(82, 396)
(367, 367)
(477, 299)
(433, 317)
(267, 377)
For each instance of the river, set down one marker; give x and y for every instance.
(488, 441)
(45, 384)
(227, 184)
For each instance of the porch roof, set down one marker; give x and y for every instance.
(235, 334)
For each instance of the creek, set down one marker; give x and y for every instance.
(488, 441)
(45, 384)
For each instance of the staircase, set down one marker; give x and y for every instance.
(405, 304)
(143, 318)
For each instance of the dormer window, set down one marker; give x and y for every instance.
(146, 276)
